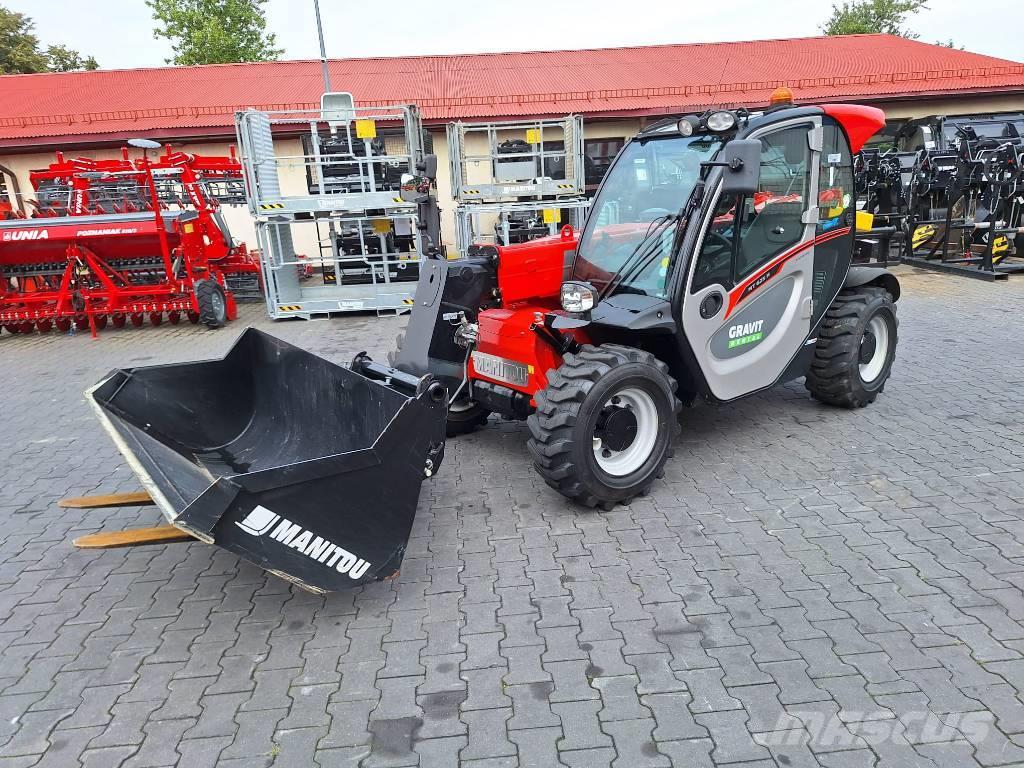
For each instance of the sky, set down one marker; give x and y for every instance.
(119, 32)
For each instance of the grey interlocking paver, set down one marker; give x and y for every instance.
(799, 568)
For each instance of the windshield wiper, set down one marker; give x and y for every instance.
(638, 260)
(639, 255)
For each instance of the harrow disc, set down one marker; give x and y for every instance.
(118, 319)
(27, 326)
(44, 326)
(174, 317)
(155, 318)
(63, 324)
(136, 319)
(82, 323)
(11, 328)
(101, 322)
(193, 317)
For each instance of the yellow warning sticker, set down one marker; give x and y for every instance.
(381, 226)
(533, 135)
(189, 229)
(550, 215)
(366, 129)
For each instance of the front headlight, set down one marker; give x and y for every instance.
(720, 121)
(578, 297)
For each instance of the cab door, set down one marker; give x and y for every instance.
(748, 304)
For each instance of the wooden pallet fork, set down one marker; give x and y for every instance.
(135, 537)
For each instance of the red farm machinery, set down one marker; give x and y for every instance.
(122, 241)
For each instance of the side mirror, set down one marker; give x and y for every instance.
(414, 189)
(428, 166)
(741, 159)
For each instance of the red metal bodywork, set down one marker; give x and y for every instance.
(530, 276)
(110, 240)
(859, 122)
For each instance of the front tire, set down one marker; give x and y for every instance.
(213, 304)
(855, 349)
(605, 425)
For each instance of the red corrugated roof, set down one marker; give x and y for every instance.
(170, 101)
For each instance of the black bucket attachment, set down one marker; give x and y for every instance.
(306, 468)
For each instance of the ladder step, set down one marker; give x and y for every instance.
(134, 499)
(136, 537)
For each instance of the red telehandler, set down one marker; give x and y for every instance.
(715, 262)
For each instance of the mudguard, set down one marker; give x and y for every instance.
(308, 469)
(864, 275)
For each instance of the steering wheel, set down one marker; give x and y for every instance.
(716, 253)
(650, 214)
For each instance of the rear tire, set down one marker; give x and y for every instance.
(855, 349)
(213, 304)
(605, 425)
(464, 416)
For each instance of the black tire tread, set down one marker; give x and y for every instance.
(205, 289)
(557, 411)
(830, 378)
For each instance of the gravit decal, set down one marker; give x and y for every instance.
(261, 521)
(746, 333)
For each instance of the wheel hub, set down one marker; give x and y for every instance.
(617, 428)
(626, 431)
(867, 347)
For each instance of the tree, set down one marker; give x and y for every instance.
(63, 59)
(20, 53)
(19, 47)
(864, 17)
(214, 31)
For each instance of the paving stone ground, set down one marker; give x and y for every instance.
(807, 586)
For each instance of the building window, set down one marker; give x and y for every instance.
(599, 154)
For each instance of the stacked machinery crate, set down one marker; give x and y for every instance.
(334, 232)
(515, 181)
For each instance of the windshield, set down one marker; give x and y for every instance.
(648, 185)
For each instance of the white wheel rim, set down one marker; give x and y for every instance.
(633, 456)
(872, 369)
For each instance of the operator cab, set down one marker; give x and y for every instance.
(732, 232)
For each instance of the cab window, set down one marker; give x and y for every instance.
(749, 231)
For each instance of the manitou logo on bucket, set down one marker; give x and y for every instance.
(261, 520)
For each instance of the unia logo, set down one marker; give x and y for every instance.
(27, 234)
(262, 521)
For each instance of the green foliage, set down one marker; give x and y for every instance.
(63, 59)
(20, 53)
(863, 17)
(19, 48)
(214, 31)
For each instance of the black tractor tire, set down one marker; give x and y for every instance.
(465, 417)
(845, 339)
(578, 400)
(213, 304)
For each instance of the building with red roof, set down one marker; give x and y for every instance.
(616, 90)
